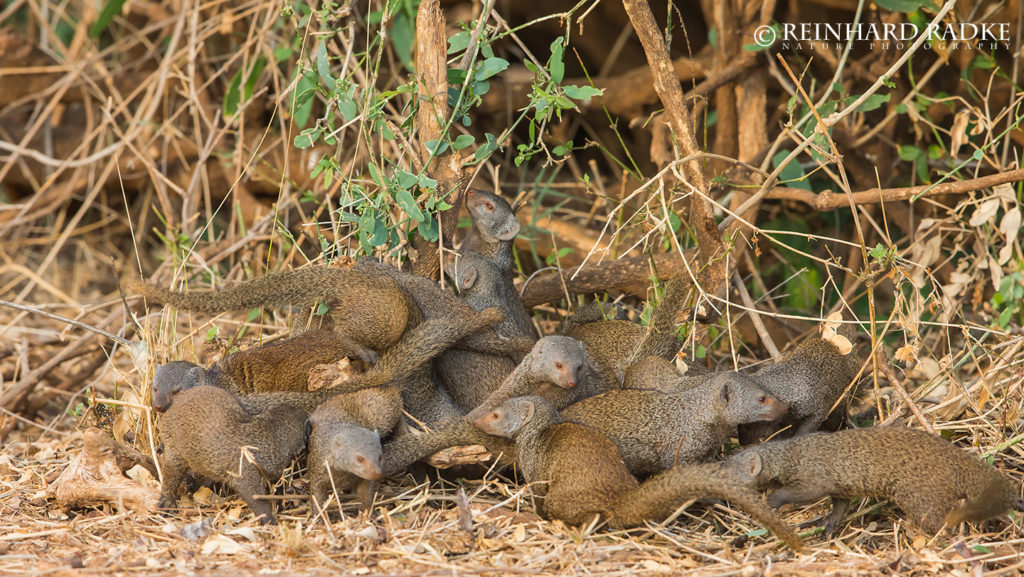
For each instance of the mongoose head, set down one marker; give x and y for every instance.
(557, 359)
(463, 270)
(356, 450)
(746, 468)
(492, 215)
(510, 417)
(739, 399)
(172, 378)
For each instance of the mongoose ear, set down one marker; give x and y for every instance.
(512, 228)
(526, 411)
(196, 375)
(750, 463)
(468, 277)
(724, 394)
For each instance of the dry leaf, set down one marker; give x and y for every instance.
(829, 332)
(93, 476)
(202, 496)
(907, 354)
(222, 545)
(958, 132)
(985, 212)
(331, 375)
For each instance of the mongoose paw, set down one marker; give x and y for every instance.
(165, 503)
(368, 356)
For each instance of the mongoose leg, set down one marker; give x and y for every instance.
(248, 485)
(834, 519)
(794, 494)
(173, 469)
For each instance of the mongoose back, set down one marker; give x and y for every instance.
(370, 312)
(279, 366)
(619, 343)
(206, 431)
(655, 430)
(810, 379)
(582, 476)
(933, 482)
(405, 366)
(591, 312)
(557, 369)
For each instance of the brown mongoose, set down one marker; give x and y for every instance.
(660, 374)
(494, 229)
(468, 371)
(369, 311)
(655, 430)
(810, 379)
(208, 432)
(481, 283)
(558, 369)
(345, 441)
(591, 312)
(404, 365)
(434, 302)
(619, 343)
(580, 475)
(932, 481)
(279, 366)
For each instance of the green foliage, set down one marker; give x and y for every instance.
(110, 9)
(1008, 301)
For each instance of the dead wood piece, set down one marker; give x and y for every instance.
(94, 476)
(454, 456)
(331, 375)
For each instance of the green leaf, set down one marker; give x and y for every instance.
(462, 141)
(582, 92)
(402, 35)
(874, 101)
(375, 175)
(490, 67)
(380, 233)
(428, 229)
(407, 203)
(347, 107)
(303, 105)
(557, 66)
(323, 67)
(427, 182)
(793, 174)
(211, 334)
(909, 152)
(456, 76)
(405, 179)
(901, 5)
(322, 309)
(110, 9)
(458, 42)
(436, 147)
(307, 138)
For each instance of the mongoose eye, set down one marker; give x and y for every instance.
(762, 399)
(489, 205)
(559, 366)
(360, 459)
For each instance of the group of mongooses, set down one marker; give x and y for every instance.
(587, 413)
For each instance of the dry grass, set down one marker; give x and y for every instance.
(118, 148)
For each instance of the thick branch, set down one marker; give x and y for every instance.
(431, 118)
(627, 274)
(829, 200)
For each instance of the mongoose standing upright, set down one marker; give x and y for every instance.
(655, 430)
(581, 475)
(370, 312)
(208, 432)
(279, 366)
(557, 369)
(494, 230)
(932, 481)
(810, 379)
